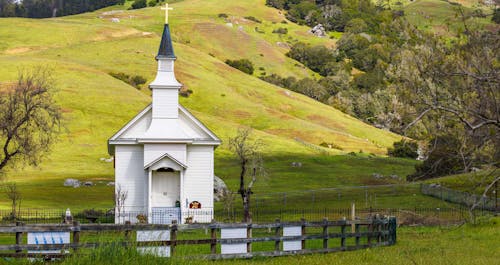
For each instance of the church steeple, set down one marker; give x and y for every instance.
(166, 50)
(165, 92)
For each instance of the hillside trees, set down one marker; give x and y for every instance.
(29, 118)
(454, 91)
(51, 8)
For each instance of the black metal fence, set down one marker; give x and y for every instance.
(406, 216)
(459, 197)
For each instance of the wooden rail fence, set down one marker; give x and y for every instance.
(363, 234)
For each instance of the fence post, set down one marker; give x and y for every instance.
(342, 236)
(19, 237)
(356, 230)
(76, 235)
(127, 230)
(249, 236)
(277, 234)
(213, 236)
(303, 230)
(325, 233)
(392, 230)
(370, 231)
(173, 237)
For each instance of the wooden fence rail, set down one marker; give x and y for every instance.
(377, 232)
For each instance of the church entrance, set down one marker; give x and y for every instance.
(165, 192)
(166, 189)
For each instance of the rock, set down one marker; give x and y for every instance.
(318, 31)
(229, 24)
(219, 188)
(394, 176)
(377, 176)
(111, 183)
(71, 183)
(283, 45)
(115, 20)
(296, 164)
(107, 160)
(475, 169)
(88, 183)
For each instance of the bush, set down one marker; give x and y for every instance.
(403, 148)
(244, 65)
(134, 81)
(138, 4)
(254, 19)
(223, 15)
(444, 159)
(280, 31)
(153, 3)
(496, 16)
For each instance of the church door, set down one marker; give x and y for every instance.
(165, 189)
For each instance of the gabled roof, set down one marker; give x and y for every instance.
(118, 139)
(166, 155)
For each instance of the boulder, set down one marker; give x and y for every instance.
(219, 188)
(377, 176)
(71, 183)
(318, 31)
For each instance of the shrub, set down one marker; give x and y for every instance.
(444, 159)
(134, 81)
(496, 16)
(223, 15)
(138, 4)
(244, 65)
(404, 148)
(280, 31)
(254, 19)
(137, 80)
(331, 145)
(153, 3)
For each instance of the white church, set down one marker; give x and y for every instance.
(164, 156)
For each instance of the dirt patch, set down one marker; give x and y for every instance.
(18, 50)
(280, 115)
(326, 122)
(107, 34)
(241, 114)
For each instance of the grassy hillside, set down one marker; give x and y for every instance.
(444, 18)
(83, 49)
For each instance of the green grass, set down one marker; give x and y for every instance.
(442, 18)
(454, 245)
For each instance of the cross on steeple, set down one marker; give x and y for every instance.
(166, 8)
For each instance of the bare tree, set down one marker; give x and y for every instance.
(29, 118)
(120, 198)
(14, 195)
(251, 165)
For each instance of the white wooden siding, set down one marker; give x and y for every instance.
(199, 176)
(165, 103)
(191, 128)
(131, 176)
(154, 151)
(139, 127)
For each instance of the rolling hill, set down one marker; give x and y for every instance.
(83, 49)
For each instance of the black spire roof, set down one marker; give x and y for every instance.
(166, 50)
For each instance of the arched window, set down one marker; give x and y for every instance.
(165, 169)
